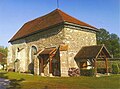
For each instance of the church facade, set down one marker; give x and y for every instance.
(47, 45)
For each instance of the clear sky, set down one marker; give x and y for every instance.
(98, 13)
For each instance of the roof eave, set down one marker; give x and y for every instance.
(73, 24)
(64, 22)
(61, 23)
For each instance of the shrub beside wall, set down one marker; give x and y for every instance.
(103, 70)
(101, 64)
(115, 68)
(87, 72)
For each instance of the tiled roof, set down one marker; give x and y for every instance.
(55, 17)
(90, 52)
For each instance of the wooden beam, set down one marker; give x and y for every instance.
(95, 66)
(53, 51)
(39, 52)
(42, 70)
(106, 62)
(39, 67)
(50, 64)
(99, 52)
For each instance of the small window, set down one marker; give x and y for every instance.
(34, 50)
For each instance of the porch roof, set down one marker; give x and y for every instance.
(91, 52)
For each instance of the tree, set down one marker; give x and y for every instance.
(114, 45)
(3, 50)
(111, 41)
(103, 36)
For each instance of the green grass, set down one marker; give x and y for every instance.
(24, 81)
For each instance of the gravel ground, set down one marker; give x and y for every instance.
(4, 83)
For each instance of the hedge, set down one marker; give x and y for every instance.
(115, 68)
(103, 70)
(87, 72)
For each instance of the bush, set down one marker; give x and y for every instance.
(119, 68)
(87, 72)
(103, 70)
(115, 68)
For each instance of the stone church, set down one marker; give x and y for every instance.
(47, 45)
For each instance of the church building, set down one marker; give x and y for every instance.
(48, 45)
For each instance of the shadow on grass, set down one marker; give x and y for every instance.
(46, 87)
(2, 75)
(14, 84)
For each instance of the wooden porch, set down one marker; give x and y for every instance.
(92, 54)
(49, 56)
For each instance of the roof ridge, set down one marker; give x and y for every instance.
(60, 12)
(41, 16)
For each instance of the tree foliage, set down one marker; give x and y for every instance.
(111, 41)
(4, 50)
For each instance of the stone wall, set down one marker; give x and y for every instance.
(64, 63)
(73, 37)
(17, 57)
(10, 58)
(45, 39)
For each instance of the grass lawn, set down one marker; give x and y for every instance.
(24, 81)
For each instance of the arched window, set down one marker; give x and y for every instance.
(33, 51)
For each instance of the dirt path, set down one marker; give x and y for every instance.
(4, 83)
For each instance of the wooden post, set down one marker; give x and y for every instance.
(95, 67)
(106, 64)
(42, 71)
(50, 64)
(79, 68)
(39, 67)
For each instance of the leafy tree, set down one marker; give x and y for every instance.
(111, 41)
(4, 50)
(103, 36)
(114, 45)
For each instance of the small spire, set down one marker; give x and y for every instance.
(57, 4)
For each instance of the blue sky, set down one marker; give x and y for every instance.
(98, 13)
